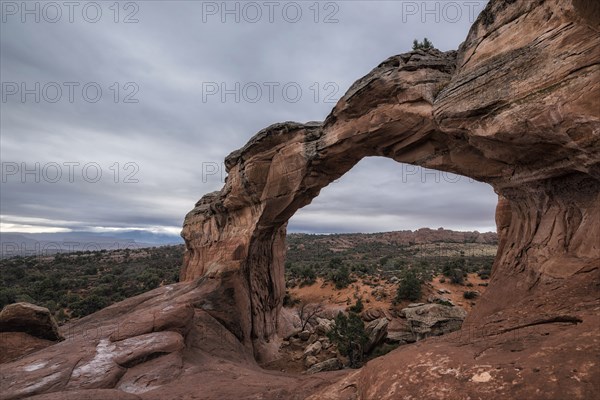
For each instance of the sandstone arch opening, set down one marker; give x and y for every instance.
(430, 217)
(379, 194)
(366, 230)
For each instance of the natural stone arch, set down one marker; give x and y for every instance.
(508, 119)
(286, 165)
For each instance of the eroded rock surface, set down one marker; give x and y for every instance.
(24, 329)
(26, 317)
(376, 331)
(176, 362)
(433, 319)
(14, 345)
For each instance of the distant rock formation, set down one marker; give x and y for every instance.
(419, 236)
(516, 107)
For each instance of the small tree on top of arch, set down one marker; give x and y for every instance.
(425, 44)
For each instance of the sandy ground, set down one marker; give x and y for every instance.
(456, 291)
(368, 288)
(326, 293)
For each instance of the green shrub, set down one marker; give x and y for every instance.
(358, 306)
(7, 296)
(308, 276)
(350, 337)
(457, 277)
(424, 45)
(88, 305)
(409, 288)
(384, 260)
(341, 277)
(469, 295)
(91, 270)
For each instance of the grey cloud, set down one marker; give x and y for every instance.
(171, 132)
(380, 194)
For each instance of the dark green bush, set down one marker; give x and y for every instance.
(340, 275)
(357, 307)
(425, 44)
(409, 288)
(350, 337)
(469, 295)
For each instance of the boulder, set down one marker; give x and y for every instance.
(400, 337)
(324, 326)
(434, 319)
(332, 364)
(34, 320)
(309, 361)
(313, 349)
(372, 314)
(330, 312)
(304, 335)
(376, 331)
(289, 323)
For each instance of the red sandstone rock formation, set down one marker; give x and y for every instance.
(25, 328)
(515, 107)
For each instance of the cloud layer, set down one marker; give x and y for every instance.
(111, 123)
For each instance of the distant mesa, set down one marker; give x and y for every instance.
(33, 244)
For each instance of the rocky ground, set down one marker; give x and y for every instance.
(390, 324)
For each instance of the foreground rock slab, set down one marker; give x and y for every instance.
(14, 345)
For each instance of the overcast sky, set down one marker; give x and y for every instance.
(120, 117)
